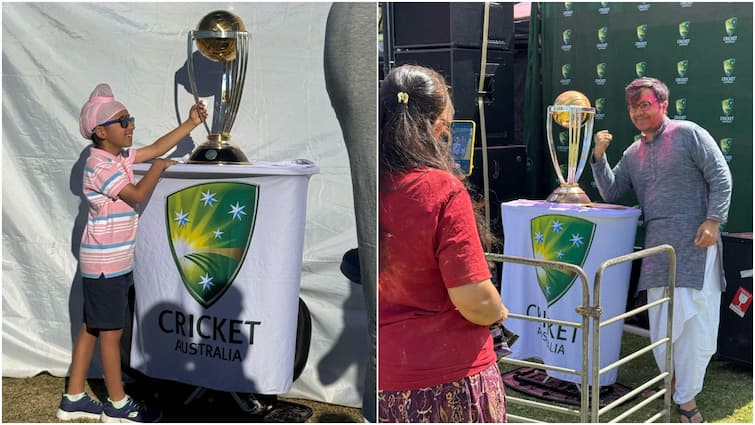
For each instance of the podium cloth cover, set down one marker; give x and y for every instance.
(580, 235)
(217, 274)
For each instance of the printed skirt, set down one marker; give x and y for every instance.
(476, 398)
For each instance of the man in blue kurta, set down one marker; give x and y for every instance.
(683, 184)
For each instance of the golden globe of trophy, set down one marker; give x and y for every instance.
(571, 110)
(221, 37)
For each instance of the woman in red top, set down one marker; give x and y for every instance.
(435, 298)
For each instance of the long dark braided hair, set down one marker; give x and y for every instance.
(406, 139)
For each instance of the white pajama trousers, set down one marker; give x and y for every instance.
(694, 332)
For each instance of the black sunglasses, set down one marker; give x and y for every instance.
(124, 121)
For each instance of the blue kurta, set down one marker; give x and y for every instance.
(681, 178)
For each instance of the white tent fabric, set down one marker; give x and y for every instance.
(53, 56)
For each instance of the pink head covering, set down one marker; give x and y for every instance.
(99, 108)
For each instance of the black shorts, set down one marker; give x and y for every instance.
(106, 301)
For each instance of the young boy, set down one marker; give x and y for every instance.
(107, 249)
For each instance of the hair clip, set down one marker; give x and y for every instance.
(403, 97)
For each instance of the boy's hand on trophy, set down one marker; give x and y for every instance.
(198, 113)
(602, 140)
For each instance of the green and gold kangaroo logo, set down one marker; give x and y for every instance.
(681, 68)
(565, 71)
(681, 106)
(730, 26)
(639, 69)
(729, 66)
(642, 32)
(727, 106)
(600, 104)
(566, 36)
(562, 238)
(209, 228)
(602, 34)
(600, 69)
(725, 144)
(684, 29)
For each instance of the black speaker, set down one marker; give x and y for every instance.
(506, 170)
(385, 39)
(461, 68)
(735, 327)
(422, 25)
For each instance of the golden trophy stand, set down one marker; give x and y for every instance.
(571, 110)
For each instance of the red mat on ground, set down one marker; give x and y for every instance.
(537, 383)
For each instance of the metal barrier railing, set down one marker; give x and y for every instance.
(589, 410)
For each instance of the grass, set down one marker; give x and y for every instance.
(726, 397)
(36, 400)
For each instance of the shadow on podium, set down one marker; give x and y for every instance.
(181, 402)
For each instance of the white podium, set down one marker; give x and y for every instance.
(217, 274)
(584, 236)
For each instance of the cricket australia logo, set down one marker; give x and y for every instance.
(566, 36)
(209, 228)
(565, 74)
(602, 38)
(600, 106)
(727, 106)
(730, 26)
(642, 33)
(600, 70)
(726, 144)
(562, 238)
(729, 77)
(683, 34)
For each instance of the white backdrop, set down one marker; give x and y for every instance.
(53, 56)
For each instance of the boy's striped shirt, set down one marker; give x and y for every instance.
(107, 245)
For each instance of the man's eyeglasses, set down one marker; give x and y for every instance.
(124, 121)
(642, 106)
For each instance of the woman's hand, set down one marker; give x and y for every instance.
(504, 315)
(479, 303)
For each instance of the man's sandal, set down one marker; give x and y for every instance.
(689, 414)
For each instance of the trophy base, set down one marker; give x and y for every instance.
(569, 194)
(217, 153)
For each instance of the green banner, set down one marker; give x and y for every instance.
(702, 51)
